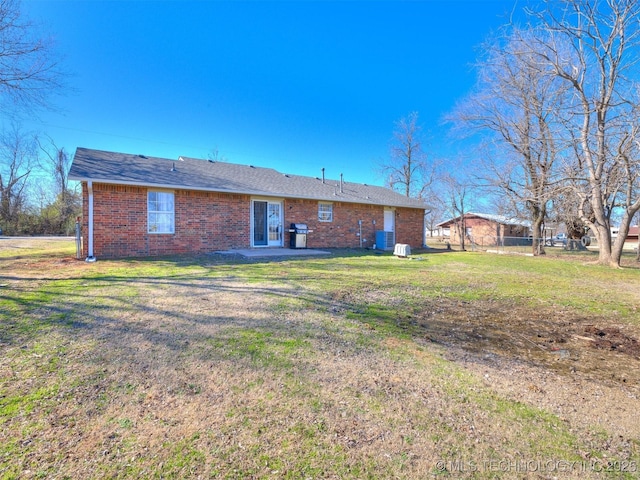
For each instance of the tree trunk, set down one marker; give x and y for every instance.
(618, 245)
(605, 253)
(537, 244)
(461, 234)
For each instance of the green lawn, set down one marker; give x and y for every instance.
(357, 365)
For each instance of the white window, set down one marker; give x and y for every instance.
(160, 212)
(325, 212)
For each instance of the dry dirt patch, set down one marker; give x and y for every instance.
(598, 348)
(586, 370)
(611, 338)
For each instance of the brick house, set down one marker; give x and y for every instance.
(631, 241)
(134, 205)
(488, 229)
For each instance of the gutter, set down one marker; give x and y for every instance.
(345, 198)
(90, 257)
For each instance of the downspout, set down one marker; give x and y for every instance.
(90, 257)
(424, 228)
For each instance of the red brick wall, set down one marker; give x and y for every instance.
(343, 231)
(204, 222)
(209, 221)
(410, 227)
(484, 231)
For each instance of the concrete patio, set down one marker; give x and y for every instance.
(273, 252)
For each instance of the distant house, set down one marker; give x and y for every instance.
(631, 242)
(438, 231)
(488, 229)
(134, 205)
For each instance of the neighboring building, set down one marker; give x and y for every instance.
(632, 235)
(135, 205)
(631, 242)
(488, 229)
(439, 232)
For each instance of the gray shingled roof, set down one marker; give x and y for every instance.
(195, 174)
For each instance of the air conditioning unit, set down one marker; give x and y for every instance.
(402, 250)
(385, 240)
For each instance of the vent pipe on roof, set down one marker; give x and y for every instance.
(322, 174)
(341, 183)
(173, 168)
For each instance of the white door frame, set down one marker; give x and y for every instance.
(273, 233)
(390, 222)
(389, 219)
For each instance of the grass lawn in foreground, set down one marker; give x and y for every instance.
(358, 365)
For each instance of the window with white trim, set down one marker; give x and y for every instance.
(160, 212)
(325, 212)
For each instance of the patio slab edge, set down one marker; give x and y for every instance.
(273, 252)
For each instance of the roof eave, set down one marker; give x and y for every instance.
(335, 198)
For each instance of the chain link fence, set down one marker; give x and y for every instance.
(524, 245)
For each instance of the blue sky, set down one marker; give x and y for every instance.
(295, 86)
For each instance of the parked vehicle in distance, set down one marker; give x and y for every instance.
(561, 238)
(552, 241)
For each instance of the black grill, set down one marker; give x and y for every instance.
(298, 237)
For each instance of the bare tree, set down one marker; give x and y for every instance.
(457, 192)
(408, 171)
(17, 158)
(66, 204)
(436, 212)
(567, 211)
(517, 103)
(215, 156)
(603, 39)
(29, 72)
(58, 162)
(29, 75)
